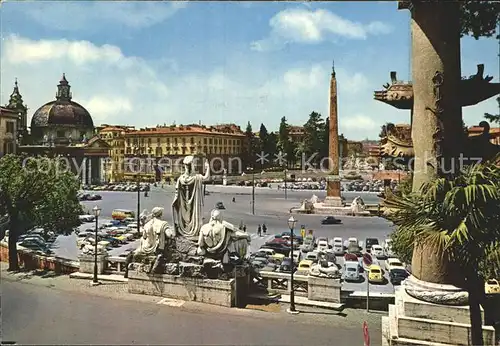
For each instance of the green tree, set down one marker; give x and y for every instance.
(479, 18)
(325, 140)
(494, 118)
(313, 131)
(285, 145)
(39, 193)
(267, 143)
(458, 218)
(249, 147)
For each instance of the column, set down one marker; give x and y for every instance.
(89, 176)
(83, 171)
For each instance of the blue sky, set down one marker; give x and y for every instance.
(151, 63)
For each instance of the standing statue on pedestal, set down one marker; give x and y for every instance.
(154, 233)
(221, 240)
(188, 201)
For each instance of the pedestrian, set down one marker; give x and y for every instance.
(234, 199)
(244, 228)
(259, 231)
(264, 228)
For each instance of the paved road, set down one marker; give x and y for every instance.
(33, 314)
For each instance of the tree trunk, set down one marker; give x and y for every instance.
(473, 288)
(437, 120)
(13, 236)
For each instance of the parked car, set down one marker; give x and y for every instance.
(350, 257)
(492, 286)
(378, 251)
(338, 246)
(219, 205)
(375, 274)
(297, 256)
(35, 245)
(286, 265)
(330, 220)
(351, 271)
(323, 245)
(313, 256)
(304, 266)
(86, 218)
(397, 275)
(279, 248)
(296, 237)
(393, 263)
(369, 242)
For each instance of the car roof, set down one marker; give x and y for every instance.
(375, 266)
(309, 262)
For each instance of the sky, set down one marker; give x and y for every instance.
(148, 63)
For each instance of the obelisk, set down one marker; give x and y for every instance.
(333, 197)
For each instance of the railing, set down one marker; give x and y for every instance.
(116, 264)
(281, 283)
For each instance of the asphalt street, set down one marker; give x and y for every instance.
(271, 208)
(34, 314)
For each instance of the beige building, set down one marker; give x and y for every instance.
(156, 153)
(8, 131)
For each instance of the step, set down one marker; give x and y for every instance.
(413, 342)
(103, 277)
(313, 303)
(439, 331)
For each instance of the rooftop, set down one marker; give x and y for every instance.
(227, 129)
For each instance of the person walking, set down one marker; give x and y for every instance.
(303, 231)
(264, 228)
(259, 231)
(244, 228)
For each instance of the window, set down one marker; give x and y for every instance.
(210, 141)
(10, 127)
(204, 141)
(192, 140)
(168, 140)
(158, 140)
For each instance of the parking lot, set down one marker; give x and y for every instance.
(271, 209)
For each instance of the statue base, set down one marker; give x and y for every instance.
(228, 293)
(333, 201)
(412, 321)
(87, 262)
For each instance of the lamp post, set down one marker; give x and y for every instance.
(291, 225)
(138, 186)
(285, 171)
(253, 189)
(97, 212)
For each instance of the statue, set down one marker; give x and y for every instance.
(154, 233)
(45, 139)
(314, 199)
(89, 249)
(84, 138)
(358, 205)
(219, 238)
(381, 166)
(188, 200)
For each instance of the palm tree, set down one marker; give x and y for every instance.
(458, 219)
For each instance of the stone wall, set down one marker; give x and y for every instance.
(30, 261)
(217, 292)
(87, 263)
(323, 289)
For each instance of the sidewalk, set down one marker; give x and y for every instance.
(119, 291)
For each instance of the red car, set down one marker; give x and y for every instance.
(350, 257)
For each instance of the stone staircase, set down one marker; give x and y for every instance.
(414, 322)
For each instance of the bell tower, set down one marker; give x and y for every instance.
(63, 90)
(16, 104)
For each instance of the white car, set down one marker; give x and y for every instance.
(378, 251)
(338, 249)
(87, 218)
(268, 252)
(297, 256)
(322, 245)
(393, 263)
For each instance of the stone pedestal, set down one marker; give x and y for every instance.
(323, 289)
(228, 293)
(333, 201)
(87, 263)
(412, 321)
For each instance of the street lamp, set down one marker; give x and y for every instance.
(138, 186)
(285, 171)
(291, 225)
(253, 189)
(97, 212)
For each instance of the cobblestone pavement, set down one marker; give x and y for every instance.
(326, 326)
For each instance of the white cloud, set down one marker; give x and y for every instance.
(358, 122)
(75, 15)
(121, 89)
(312, 26)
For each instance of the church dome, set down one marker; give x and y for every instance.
(63, 111)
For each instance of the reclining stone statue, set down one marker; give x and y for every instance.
(219, 239)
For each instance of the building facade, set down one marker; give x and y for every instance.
(114, 136)
(156, 153)
(8, 131)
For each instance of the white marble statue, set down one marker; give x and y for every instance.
(188, 200)
(358, 205)
(314, 199)
(381, 166)
(219, 237)
(154, 233)
(89, 249)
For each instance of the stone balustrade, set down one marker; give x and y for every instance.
(312, 287)
(116, 264)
